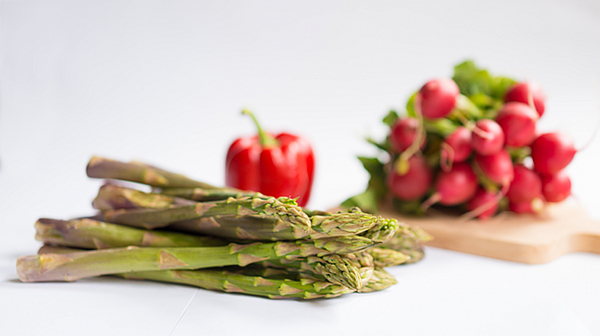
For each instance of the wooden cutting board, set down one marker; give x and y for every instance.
(565, 228)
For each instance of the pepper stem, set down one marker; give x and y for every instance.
(266, 140)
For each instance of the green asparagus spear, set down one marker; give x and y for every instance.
(408, 241)
(45, 249)
(383, 230)
(387, 257)
(141, 173)
(227, 281)
(282, 209)
(92, 234)
(203, 195)
(339, 224)
(241, 228)
(367, 266)
(346, 270)
(350, 222)
(112, 197)
(380, 280)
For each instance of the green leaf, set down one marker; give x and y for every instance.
(440, 126)
(479, 85)
(376, 170)
(391, 118)
(471, 110)
(410, 106)
(367, 201)
(385, 145)
(472, 80)
(376, 189)
(500, 85)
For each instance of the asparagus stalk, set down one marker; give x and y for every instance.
(141, 173)
(283, 209)
(353, 222)
(334, 225)
(383, 257)
(112, 197)
(367, 266)
(415, 254)
(241, 228)
(272, 283)
(409, 241)
(350, 270)
(203, 195)
(350, 222)
(382, 231)
(227, 281)
(45, 249)
(380, 280)
(92, 234)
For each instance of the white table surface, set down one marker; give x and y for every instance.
(164, 82)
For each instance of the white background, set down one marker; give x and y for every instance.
(164, 83)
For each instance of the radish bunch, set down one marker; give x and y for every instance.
(470, 142)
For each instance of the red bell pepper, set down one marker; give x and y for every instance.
(281, 165)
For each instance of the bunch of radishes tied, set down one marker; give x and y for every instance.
(469, 143)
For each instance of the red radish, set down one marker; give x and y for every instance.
(454, 187)
(489, 139)
(525, 186)
(557, 187)
(497, 167)
(551, 152)
(438, 97)
(456, 147)
(483, 205)
(414, 183)
(520, 208)
(521, 92)
(533, 207)
(517, 121)
(403, 134)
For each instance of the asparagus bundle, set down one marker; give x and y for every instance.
(236, 241)
(92, 234)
